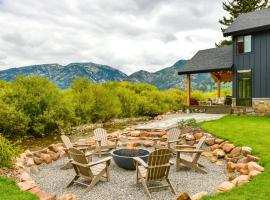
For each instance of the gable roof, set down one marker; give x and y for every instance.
(249, 22)
(209, 60)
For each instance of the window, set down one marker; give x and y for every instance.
(244, 91)
(244, 44)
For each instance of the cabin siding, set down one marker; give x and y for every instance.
(258, 61)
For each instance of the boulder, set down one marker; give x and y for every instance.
(148, 143)
(219, 153)
(210, 141)
(183, 196)
(251, 158)
(244, 171)
(157, 134)
(231, 176)
(246, 150)
(24, 176)
(19, 165)
(240, 180)
(37, 160)
(26, 185)
(54, 148)
(47, 158)
(135, 134)
(67, 197)
(218, 141)
(254, 166)
(225, 186)
(254, 173)
(144, 134)
(45, 196)
(243, 160)
(28, 153)
(214, 147)
(214, 159)
(207, 154)
(231, 167)
(198, 135)
(228, 147)
(190, 137)
(30, 162)
(241, 166)
(199, 195)
(235, 152)
(54, 155)
(37, 191)
(34, 169)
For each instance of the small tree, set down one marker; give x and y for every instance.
(236, 8)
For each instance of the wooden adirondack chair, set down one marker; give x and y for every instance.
(102, 143)
(68, 145)
(195, 152)
(92, 171)
(157, 169)
(172, 140)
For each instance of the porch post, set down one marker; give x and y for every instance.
(218, 88)
(188, 89)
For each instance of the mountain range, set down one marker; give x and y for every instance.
(64, 75)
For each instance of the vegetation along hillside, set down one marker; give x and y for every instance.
(63, 76)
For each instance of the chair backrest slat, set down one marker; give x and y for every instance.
(79, 157)
(66, 141)
(101, 134)
(158, 162)
(199, 146)
(173, 134)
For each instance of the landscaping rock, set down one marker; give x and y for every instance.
(148, 143)
(26, 185)
(243, 160)
(219, 153)
(246, 150)
(30, 162)
(251, 158)
(225, 186)
(183, 196)
(199, 195)
(254, 166)
(210, 141)
(34, 169)
(240, 180)
(214, 147)
(47, 158)
(25, 177)
(67, 197)
(47, 197)
(54, 148)
(228, 147)
(198, 135)
(241, 166)
(235, 152)
(231, 167)
(28, 153)
(254, 173)
(244, 172)
(135, 134)
(37, 160)
(231, 176)
(218, 141)
(190, 137)
(207, 154)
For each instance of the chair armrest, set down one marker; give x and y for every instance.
(140, 161)
(100, 161)
(184, 146)
(171, 162)
(190, 151)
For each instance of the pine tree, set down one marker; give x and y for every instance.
(236, 8)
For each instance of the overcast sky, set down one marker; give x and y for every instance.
(127, 34)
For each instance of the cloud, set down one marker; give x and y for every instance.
(129, 35)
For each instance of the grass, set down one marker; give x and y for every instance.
(246, 131)
(10, 191)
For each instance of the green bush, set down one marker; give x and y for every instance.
(7, 152)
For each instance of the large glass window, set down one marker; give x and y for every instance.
(244, 44)
(244, 85)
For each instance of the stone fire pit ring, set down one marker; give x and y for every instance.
(124, 157)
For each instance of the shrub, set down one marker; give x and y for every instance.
(189, 122)
(7, 152)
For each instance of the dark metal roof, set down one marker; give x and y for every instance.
(250, 22)
(209, 60)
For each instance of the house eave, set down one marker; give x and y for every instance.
(246, 31)
(205, 71)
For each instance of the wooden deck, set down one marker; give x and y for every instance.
(215, 109)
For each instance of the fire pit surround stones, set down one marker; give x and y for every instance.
(124, 157)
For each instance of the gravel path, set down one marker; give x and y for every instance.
(171, 121)
(123, 183)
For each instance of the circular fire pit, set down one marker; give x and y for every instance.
(124, 157)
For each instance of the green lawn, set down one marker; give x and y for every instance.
(246, 131)
(10, 191)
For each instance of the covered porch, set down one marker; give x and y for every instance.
(217, 62)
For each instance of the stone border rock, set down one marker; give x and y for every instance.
(241, 165)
